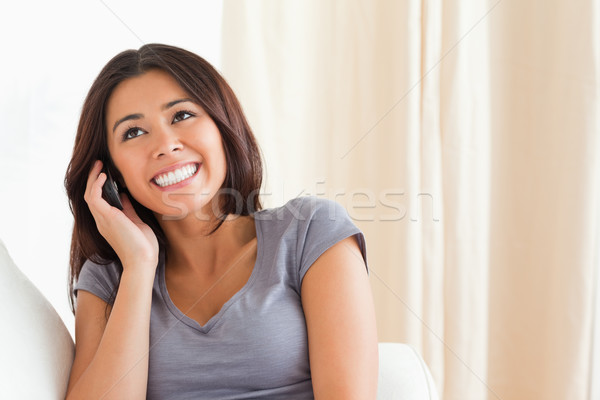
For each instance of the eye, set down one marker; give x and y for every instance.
(181, 115)
(132, 133)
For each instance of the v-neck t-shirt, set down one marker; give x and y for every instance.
(256, 346)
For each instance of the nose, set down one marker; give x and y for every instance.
(166, 143)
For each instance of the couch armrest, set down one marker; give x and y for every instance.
(403, 374)
(36, 348)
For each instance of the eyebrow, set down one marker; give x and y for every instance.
(139, 116)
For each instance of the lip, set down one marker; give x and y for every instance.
(173, 168)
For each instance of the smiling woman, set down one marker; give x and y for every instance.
(166, 144)
(192, 290)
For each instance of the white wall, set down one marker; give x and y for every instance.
(51, 52)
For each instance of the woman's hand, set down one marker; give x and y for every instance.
(134, 242)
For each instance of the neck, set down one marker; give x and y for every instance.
(192, 248)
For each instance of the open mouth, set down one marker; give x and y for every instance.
(176, 176)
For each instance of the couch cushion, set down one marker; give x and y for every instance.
(36, 349)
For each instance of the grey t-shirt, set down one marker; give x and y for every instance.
(256, 346)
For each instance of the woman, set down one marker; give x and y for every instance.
(191, 290)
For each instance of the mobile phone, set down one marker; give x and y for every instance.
(110, 191)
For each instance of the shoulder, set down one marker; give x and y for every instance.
(321, 217)
(306, 208)
(100, 278)
(309, 226)
(306, 218)
(109, 269)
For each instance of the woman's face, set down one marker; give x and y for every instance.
(166, 147)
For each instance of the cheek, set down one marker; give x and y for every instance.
(214, 152)
(220, 163)
(129, 163)
(127, 172)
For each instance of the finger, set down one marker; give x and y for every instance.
(93, 176)
(94, 192)
(93, 196)
(97, 203)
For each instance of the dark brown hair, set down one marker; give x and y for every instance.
(205, 86)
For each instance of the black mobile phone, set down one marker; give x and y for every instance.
(110, 191)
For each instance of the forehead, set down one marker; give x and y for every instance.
(142, 93)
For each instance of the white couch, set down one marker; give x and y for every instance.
(36, 349)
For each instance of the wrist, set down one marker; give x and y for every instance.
(139, 261)
(141, 271)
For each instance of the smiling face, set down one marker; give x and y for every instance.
(167, 148)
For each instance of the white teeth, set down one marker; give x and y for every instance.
(176, 176)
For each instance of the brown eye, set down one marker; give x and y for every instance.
(132, 132)
(181, 115)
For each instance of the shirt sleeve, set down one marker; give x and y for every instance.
(100, 280)
(322, 224)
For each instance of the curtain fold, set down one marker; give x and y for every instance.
(462, 137)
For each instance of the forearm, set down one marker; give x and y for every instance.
(119, 368)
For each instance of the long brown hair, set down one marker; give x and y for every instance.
(205, 86)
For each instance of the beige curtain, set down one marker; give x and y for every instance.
(463, 138)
